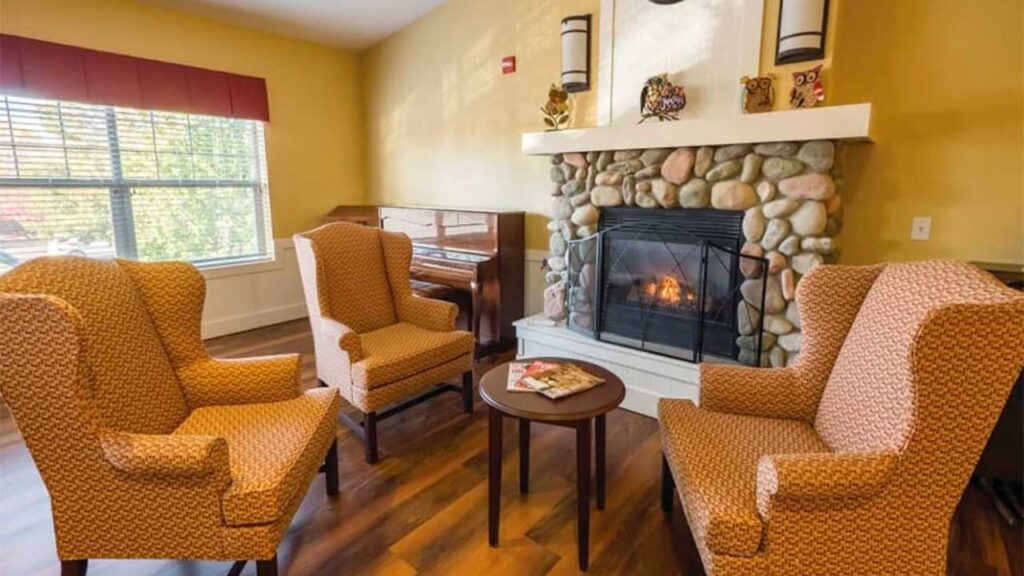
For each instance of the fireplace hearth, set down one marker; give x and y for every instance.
(662, 281)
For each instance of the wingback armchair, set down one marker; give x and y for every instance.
(149, 447)
(375, 341)
(853, 459)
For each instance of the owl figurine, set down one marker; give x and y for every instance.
(758, 93)
(556, 109)
(807, 88)
(661, 99)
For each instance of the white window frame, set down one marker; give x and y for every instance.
(120, 189)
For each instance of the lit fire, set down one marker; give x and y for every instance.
(668, 292)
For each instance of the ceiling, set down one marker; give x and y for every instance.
(351, 24)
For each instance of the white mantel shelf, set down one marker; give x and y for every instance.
(848, 123)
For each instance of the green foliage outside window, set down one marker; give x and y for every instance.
(96, 180)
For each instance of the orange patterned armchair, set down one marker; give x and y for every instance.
(376, 341)
(852, 461)
(149, 447)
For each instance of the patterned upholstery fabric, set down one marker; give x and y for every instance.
(384, 395)
(715, 454)
(375, 363)
(403, 350)
(273, 448)
(828, 301)
(93, 368)
(353, 278)
(904, 370)
(134, 386)
(435, 315)
(869, 398)
(174, 293)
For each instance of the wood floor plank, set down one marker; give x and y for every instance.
(423, 508)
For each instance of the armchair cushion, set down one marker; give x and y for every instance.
(714, 458)
(274, 448)
(403, 350)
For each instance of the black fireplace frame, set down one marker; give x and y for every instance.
(706, 229)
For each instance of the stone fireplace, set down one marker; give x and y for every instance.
(665, 281)
(782, 198)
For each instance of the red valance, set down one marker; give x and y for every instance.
(38, 69)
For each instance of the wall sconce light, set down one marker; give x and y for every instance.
(802, 28)
(576, 53)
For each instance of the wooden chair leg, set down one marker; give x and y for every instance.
(467, 392)
(266, 567)
(74, 567)
(370, 430)
(331, 469)
(668, 486)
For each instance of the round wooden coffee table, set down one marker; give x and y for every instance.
(576, 412)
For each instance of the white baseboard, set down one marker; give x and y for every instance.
(252, 320)
(245, 298)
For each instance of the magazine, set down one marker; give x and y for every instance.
(561, 380)
(517, 370)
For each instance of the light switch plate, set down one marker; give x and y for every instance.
(921, 228)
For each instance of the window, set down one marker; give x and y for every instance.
(103, 182)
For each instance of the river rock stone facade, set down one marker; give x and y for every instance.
(788, 191)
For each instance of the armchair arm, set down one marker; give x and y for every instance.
(810, 479)
(216, 381)
(769, 393)
(152, 456)
(436, 315)
(348, 339)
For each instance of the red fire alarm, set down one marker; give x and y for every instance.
(508, 65)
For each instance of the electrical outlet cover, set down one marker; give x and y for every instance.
(921, 228)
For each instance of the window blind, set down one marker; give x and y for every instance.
(104, 181)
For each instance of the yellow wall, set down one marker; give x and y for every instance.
(944, 78)
(314, 139)
(943, 75)
(443, 123)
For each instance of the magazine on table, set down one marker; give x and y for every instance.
(518, 370)
(554, 380)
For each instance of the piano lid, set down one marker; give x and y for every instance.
(441, 229)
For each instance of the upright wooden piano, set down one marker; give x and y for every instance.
(480, 253)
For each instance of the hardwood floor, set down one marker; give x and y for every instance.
(423, 508)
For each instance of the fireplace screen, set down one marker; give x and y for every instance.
(667, 284)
